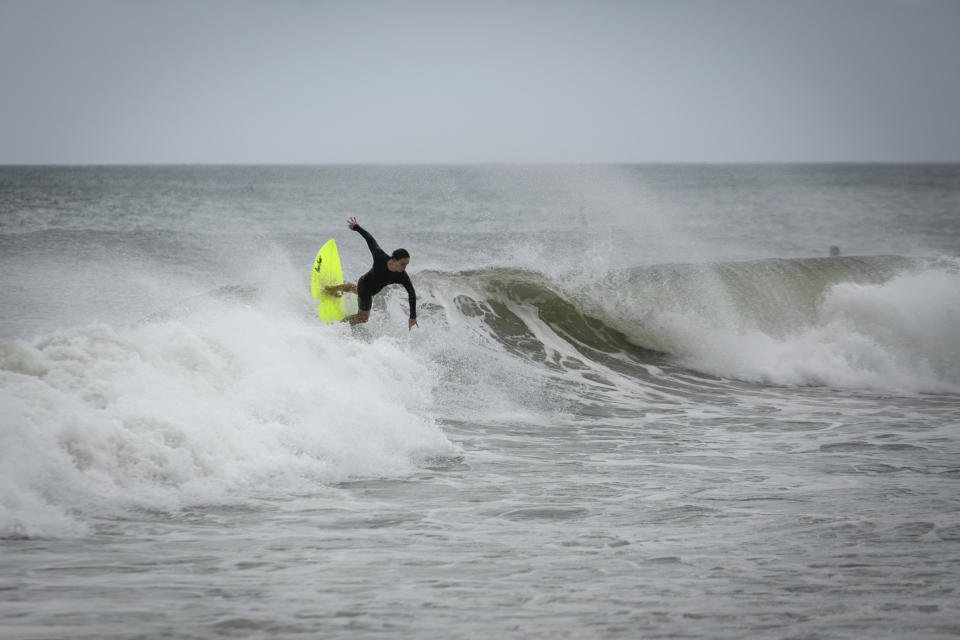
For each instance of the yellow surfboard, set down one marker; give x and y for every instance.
(327, 273)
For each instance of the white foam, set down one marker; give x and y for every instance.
(226, 402)
(900, 336)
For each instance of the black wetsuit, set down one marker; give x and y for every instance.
(380, 276)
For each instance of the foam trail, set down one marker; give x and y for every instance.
(229, 401)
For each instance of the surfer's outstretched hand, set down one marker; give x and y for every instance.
(412, 324)
(352, 222)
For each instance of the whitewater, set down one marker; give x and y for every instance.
(641, 402)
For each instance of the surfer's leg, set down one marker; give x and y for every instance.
(365, 302)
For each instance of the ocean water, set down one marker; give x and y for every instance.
(642, 402)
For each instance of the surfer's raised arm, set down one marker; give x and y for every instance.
(371, 243)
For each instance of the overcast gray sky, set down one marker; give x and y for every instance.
(296, 81)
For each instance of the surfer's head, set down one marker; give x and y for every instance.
(399, 260)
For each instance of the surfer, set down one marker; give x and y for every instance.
(386, 269)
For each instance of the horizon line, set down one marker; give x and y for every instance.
(490, 163)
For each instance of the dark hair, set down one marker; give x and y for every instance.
(400, 254)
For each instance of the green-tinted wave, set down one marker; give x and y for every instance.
(628, 314)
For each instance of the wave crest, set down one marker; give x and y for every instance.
(883, 323)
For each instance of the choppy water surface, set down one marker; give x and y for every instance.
(640, 403)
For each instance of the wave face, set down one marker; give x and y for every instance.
(880, 323)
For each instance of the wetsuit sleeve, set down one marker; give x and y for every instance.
(374, 247)
(412, 295)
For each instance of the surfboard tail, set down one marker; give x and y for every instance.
(327, 273)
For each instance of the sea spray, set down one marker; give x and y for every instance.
(227, 402)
